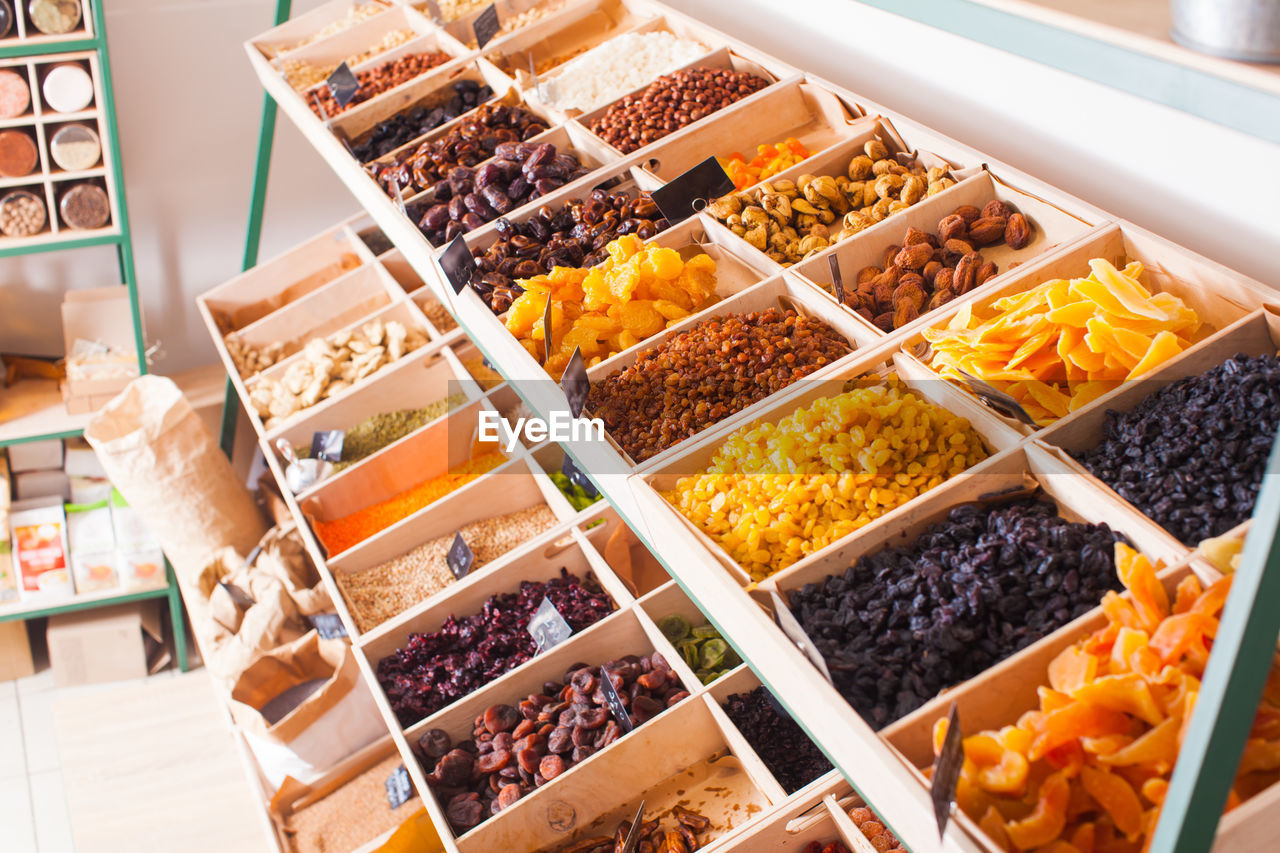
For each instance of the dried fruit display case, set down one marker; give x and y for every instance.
(1064, 234)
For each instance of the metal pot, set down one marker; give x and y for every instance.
(1234, 29)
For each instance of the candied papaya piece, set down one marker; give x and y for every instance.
(1076, 720)
(1120, 611)
(1116, 797)
(1069, 757)
(1154, 790)
(1105, 745)
(1072, 668)
(1156, 748)
(641, 319)
(1046, 823)
(1212, 600)
(1128, 641)
(1138, 575)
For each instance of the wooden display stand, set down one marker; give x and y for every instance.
(885, 767)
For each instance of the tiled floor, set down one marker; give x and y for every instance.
(36, 775)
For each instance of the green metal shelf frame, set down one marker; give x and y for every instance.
(1244, 649)
(123, 242)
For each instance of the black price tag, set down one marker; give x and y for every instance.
(239, 597)
(460, 557)
(343, 84)
(326, 444)
(946, 771)
(575, 475)
(689, 193)
(327, 625)
(546, 331)
(399, 788)
(486, 25)
(458, 264)
(614, 701)
(575, 384)
(837, 279)
(796, 634)
(775, 704)
(548, 627)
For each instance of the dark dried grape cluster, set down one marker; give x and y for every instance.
(902, 624)
(1191, 456)
(573, 236)
(433, 670)
(407, 125)
(514, 750)
(469, 143)
(707, 373)
(782, 745)
(519, 172)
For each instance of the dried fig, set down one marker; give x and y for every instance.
(1017, 232)
(987, 230)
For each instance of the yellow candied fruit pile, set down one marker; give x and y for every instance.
(1063, 344)
(775, 493)
(769, 161)
(639, 291)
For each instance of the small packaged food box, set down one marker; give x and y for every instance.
(40, 551)
(139, 558)
(92, 542)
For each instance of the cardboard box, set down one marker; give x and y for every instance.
(100, 315)
(42, 484)
(107, 644)
(35, 455)
(15, 651)
(81, 460)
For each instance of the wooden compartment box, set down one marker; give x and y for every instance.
(1218, 295)
(512, 487)
(551, 42)
(729, 59)
(649, 484)
(288, 36)
(541, 559)
(429, 90)
(463, 28)
(799, 108)
(774, 292)
(1053, 229)
(633, 563)
(834, 161)
(1253, 335)
(285, 278)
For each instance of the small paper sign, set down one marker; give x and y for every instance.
(486, 25)
(547, 337)
(575, 384)
(239, 597)
(399, 788)
(547, 627)
(689, 193)
(460, 558)
(570, 469)
(458, 264)
(796, 634)
(343, 84)
(614, 701)
(327, 625)
(837, 279)
(326, 445)
(946, 771)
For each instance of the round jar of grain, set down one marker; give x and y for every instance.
(18, 154)
(15, 94)
(54, 17)
(22, 214)
(85, 206)
(75, 148)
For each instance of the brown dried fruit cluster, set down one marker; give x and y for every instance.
(514, 750)
(671, 102)
(929, 270)
(374, 81)
(707, 373)
(653, 839)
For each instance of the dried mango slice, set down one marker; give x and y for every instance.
(1116, 796)
(1158, 747)
(1071, 669)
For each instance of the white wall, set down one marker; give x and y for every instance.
(189, 110)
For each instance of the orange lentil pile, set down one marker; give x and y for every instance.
(350, 530)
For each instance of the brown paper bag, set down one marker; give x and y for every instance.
(161, 457)
(334, 720)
